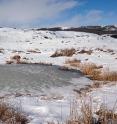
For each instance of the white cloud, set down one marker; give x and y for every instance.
(23, 11)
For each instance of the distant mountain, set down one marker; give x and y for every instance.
(109, 29)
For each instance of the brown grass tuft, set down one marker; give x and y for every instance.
(16, 58)
(86, 115)
(33, 51)
(9, 62)
(89, 52)
(105, 115)
(9, 115)
(109, 76)
(74, 62)
(91, 69)
(64, 52)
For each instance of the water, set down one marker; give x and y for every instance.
(50, 89)
(34, 78)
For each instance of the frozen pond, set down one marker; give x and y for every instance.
(44, 92)
(34, 78)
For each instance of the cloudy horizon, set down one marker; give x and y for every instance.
(52, 13)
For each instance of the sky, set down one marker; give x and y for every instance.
(52, 13)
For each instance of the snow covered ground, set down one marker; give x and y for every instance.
(38, 46)
(45, 43)
(106, 95)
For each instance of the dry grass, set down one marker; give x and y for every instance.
(89, 52)
(42, 63)
(1, 50)
(104, 115)
(9, 62)
(110, 50)
(17, 51)
(33, 51)
(109, 76)
(23, 62)
(74, 62)
(9, 115)
(82, 116)
(86, 114)
(64, 52)
(89, 69)
(16, 58)
(93, 71)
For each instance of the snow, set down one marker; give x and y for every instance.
(106, 96)
(47, 42)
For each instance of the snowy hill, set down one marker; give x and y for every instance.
(37, 46)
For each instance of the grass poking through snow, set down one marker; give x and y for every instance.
(93, 71)
(64, 52)
(9, 115)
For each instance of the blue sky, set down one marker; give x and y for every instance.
(50, 13)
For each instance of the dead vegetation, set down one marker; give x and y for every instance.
(104, 115)
(93, 71)
(42, 63)
(17, 51)
(9, 62)
(34, 51)
(1, 50)
(89, 52)
(9, 115)
(80, 116)
(17, 59)
(86, 114)
(64, 52)
(74, 62)
(109, 76)
(111, 51)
